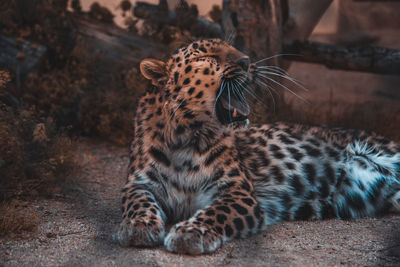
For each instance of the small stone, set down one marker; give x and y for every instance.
(40, 208)
(50, 235)
(20, 56)
(39, 133)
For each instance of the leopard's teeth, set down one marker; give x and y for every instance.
(234, 113)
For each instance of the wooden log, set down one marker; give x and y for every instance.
(113, 45)
(356, 58)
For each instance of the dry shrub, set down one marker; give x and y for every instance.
(57, 93)
(106, 109)
(34, 155)
(100, 13)
(4, 78)
(17, 217)
(83, 98)
(79, 94)
(42, 21)
(215, 14)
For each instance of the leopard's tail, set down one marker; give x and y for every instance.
(373, 163)
(374, 176)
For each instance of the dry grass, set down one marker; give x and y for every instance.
(17, 217)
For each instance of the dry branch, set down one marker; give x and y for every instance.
(358, 58)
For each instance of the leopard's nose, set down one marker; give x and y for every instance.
(244, 63)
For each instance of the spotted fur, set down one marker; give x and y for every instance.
(197, 165)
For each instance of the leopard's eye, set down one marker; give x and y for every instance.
(217, 58)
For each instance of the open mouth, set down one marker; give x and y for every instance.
(231, 105)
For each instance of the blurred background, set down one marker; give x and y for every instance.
(69, 70)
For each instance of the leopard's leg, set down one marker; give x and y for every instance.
(235, 213)
(143, 221)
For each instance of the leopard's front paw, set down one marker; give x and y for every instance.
(140, 232)
(192, 239)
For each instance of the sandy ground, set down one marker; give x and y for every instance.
(77, 224)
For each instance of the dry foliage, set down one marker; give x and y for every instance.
(106, 110)
(44, 21)
(33, 154)
(100, 13)
(215, 14)
(4, 78)
(17, 217)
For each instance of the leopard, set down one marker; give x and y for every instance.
(200, 174)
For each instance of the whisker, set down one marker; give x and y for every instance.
(237, 86)
(279, 55)
(262, 83)
(251, 94)
(285, 77)
(230, 37)
(258, 98)
(268, 89)
(220, 93)
(242, 97)
(180, 104)
(238, 91)
(273, 68)
(272, 80)
(229, 100)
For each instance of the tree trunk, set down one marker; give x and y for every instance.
(250, 24)
(255, 27)
(356, 58)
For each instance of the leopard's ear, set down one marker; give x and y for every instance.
(154, 70)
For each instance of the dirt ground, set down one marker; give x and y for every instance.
(77, 224)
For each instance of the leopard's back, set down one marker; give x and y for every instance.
(302, 172)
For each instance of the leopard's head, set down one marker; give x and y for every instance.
(204, 82)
